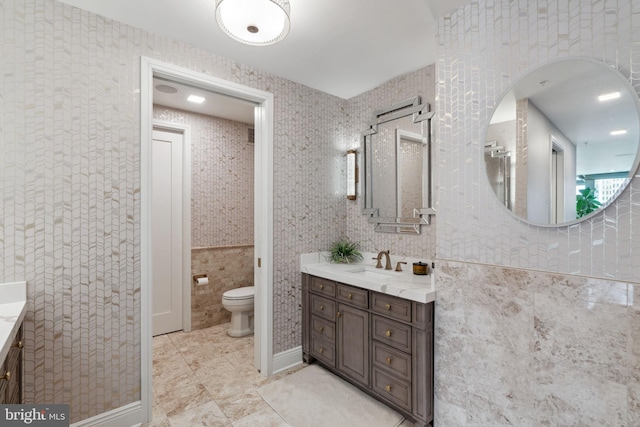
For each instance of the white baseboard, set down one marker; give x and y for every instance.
(287, 359)
(124, 416)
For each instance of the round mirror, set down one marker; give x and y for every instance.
(563, 141)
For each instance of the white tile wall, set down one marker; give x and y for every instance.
(482, 49)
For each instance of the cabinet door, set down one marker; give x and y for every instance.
(353, 343)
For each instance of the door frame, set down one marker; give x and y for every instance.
(185, 132)
(263, 209)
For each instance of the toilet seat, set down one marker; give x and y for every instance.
(246, 292)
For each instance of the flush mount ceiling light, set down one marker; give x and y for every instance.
(608, 96)
(618, 132)
(195, 99)
(254, 22)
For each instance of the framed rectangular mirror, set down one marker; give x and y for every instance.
(397, 168)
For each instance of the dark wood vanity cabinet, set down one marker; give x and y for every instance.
(11, 373)
(380, 343)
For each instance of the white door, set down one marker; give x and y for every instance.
(166, 231)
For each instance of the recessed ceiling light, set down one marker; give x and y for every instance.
(608, 96)
(166, 89)
(618, 132)
(195, 98)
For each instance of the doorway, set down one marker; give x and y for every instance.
(263, 206)
(556, 190)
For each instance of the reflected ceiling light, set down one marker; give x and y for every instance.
(609, 96)
(254, 22)
(618, 132)
(195, 98)
(166, 89)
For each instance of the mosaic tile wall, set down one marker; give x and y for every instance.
(548, 334)
(227, 268)
(482, 49)
(221, 178)
(362, 108)
(70, 192)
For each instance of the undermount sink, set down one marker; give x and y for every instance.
(375, 274)
(371, 274)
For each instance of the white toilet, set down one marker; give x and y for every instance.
(240, 303)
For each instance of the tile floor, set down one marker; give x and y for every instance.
(206, 378)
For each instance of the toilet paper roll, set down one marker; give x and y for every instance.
(202, 281)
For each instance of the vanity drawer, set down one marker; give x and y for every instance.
(4, 384)
(392, 333)
(394, 361)
(353, 296)
(391, 306)
(323, 286)
(323, 307)
(394, 390)
(322, 327)
(323, 350)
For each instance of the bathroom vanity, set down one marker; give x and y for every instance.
(374, 329)
(12, 311)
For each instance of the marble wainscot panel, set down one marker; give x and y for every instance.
(530, 348)
(404, 284)
(13, 306)
(227, 267)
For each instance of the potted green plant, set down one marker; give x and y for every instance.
(586, 202)
(345, 252)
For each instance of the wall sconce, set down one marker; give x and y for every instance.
(352, 174)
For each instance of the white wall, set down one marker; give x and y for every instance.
(539, 133)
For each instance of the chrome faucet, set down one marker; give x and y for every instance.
(387, 260)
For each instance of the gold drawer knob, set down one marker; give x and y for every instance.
(388, 333)
(6, 376)
(321, 350)
(389, 360)
(19, 344)
(321, 287)
(321, 329)
(388, 388)
(387, 306)
(321, 307)
(338, 313)
(350, 296)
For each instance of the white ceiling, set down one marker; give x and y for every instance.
(215, 104)
(566, 92)
(342, 47)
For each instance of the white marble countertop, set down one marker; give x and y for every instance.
(13, 306)
(364, 275)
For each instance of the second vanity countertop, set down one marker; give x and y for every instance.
(13, 306)
(364, 275)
